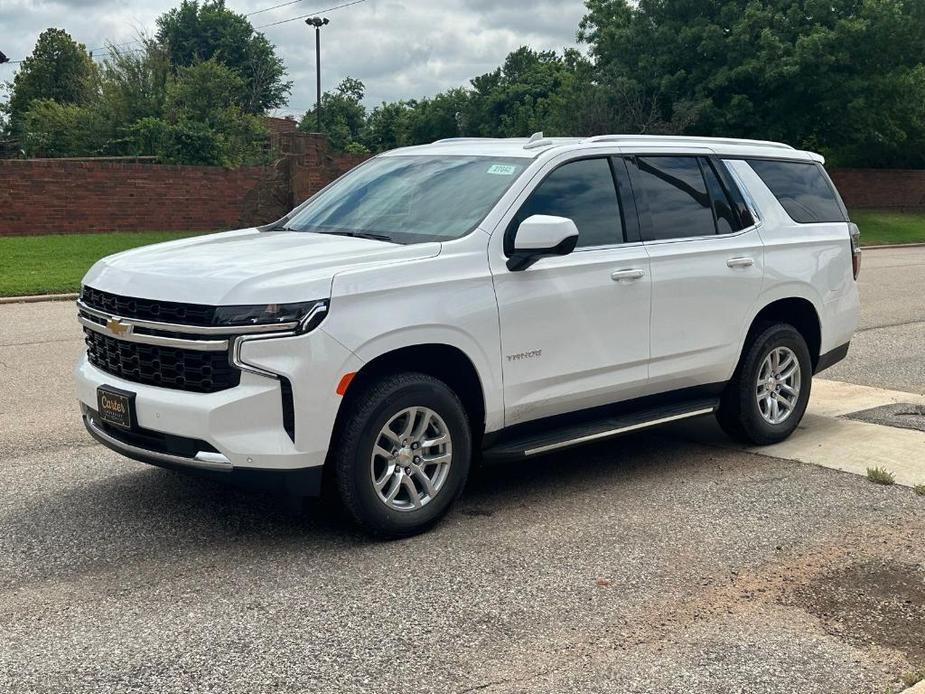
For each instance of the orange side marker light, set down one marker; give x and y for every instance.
(345, 382)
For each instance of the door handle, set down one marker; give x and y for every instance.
(627, 275)
(740, 262)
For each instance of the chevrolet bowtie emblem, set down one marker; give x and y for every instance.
(117, 327)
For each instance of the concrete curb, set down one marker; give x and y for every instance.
(37, 298)
(915, 689)
(893, 245)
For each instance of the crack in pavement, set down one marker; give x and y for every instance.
(12, 449)
(890, 325)
(38, 342)
(508, 680)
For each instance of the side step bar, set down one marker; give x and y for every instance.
(605, 427)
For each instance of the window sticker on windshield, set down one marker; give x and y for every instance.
(502, 169)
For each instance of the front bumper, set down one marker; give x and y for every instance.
(154, 447)
(241, 428)
(295, 481)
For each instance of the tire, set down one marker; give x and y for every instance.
(740, 414)
(358, 462)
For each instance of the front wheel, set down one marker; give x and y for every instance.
(767, 396)
(403, 454)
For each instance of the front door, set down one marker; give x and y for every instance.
(575, 328)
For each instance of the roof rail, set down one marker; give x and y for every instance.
(465, 139)
(684, 138)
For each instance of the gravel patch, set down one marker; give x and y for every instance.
(902, 415)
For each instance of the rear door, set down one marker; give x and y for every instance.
(707, 264)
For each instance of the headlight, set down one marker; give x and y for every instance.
(307, 313)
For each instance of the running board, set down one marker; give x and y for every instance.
(524, 446)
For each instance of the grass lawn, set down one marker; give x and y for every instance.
(55, 264)
(879, 228)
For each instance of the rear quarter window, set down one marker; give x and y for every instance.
(803, 190)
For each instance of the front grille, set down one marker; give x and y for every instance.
(148, 309)
(169, 367)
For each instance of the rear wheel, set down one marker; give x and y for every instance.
(403, 454)
(767, 396)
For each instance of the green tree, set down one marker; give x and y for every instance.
(585, 105)
(204, 92)
(51, 129)
(412, 122)
(515, 99)
(842, 76)
(4, 102)
(343, 115)
(59, 68)
(204, 122)
(443, 115)
(389, 125)
(558, 94)
(195, 32)
(133, 83)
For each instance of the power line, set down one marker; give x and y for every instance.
(274, 7)
(303, 16)
(109, 49)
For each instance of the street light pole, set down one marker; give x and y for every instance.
(318, 76)
(317, 22)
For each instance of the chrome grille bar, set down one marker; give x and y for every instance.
(160, 341)
(188, 329)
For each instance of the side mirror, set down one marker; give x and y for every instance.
(542, 235)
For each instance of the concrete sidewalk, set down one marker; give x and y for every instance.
(826, 438)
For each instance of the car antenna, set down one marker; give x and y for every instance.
(537, 140)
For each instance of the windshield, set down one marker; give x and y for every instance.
(410, 199)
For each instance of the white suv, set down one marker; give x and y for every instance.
(476, 297)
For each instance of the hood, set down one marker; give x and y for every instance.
(244, 267)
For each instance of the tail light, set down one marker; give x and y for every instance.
(855, 249)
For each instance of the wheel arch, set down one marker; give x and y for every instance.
(797, 311)
(445, 362)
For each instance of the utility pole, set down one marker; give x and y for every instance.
(317, 22)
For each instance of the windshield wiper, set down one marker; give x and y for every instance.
(360, 235)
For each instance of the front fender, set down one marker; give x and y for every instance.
(451, 308)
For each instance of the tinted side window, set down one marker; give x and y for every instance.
(584, 192)
(726, 219)
(803, 190)
(673, 192)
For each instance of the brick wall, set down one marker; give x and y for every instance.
(280, 125)
(66, 197)
(884, 189)
(78, 196)
(312, 164)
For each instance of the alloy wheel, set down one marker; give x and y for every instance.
(778, 387)
(411, 459)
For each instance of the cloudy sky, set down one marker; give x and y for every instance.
(398, 48)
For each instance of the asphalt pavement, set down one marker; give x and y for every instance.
(647, 564)
(888, 351)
